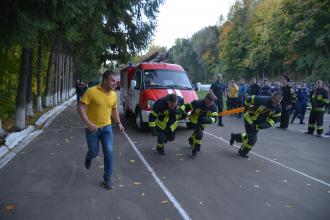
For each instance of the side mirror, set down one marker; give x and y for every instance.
(133, 84)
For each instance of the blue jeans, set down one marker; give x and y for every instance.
(103, 134)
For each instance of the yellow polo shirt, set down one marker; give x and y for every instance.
(99, 105)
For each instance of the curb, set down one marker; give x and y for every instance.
(16, 141)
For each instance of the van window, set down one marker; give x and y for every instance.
(166, 79)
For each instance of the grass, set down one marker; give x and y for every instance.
(202, 94)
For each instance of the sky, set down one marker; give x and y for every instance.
(182, 18)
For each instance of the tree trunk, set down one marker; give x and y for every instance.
(59, 78)
(71, 76)
(39, 75)
(21, 89)
(3, 133)
(55, 79)
(64, 77)
(49, 79)
(29, 92)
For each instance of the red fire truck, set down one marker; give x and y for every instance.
(143, 84)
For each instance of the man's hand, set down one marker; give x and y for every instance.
(120, 127)
(92, 127)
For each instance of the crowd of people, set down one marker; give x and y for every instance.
(298, 97)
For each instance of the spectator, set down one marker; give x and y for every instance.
(96, 107)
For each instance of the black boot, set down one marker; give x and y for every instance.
(234, 137)
(243, 151)
(190, 140)
(194, 153)
(161, 151)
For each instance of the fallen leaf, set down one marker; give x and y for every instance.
(153, 148)
(179, 155)
(274, 159)
(121, 185)
(328, 191)
(71, 137)
(164, 177)
(256, 186)
(132, 161)
(101, 166)
(181, 159)
(200, 203)
(134, 142)
(268, 204)
(249, 158)
(285, 181)
(164, 201)
(137, 183)
(240, 186)
(308, 184)
(142, 194)
(52, 153)
(289, 206)
(9, 208)
(118, 217)
(58, 144)
(257, 171)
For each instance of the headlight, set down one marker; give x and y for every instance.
(150, 103)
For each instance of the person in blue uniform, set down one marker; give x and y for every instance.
(218, 90)
(302, 100)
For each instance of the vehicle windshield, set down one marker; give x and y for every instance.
(166, 79)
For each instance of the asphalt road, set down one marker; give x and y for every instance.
(286, 177)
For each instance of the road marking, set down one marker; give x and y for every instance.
(273, 161)
(170, 196)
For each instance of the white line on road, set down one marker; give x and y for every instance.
(273, 161)
(170, 196)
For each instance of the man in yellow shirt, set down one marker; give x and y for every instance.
(96, 107)
(232, 95)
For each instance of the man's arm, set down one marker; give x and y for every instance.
(82, 108)
(115, 115)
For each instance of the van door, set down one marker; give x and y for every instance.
(136, 92)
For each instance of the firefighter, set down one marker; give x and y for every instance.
(202, 112)
(319, 101)
(163, 119)
(261, 112)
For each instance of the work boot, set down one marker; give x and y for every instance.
(319, 135)
(243, 152)
(328, 133)
(232, 139)
(88, 163)
(107, 183)
(194, 153)
(161, 151)
(307, 132)
(190, 140)
(198, 147)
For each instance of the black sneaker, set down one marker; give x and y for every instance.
(107, 184)
(88, 163)
(319, 135)
(220, 124)
(302, 123)
(232, 139)
(328, 133)
(307, 132)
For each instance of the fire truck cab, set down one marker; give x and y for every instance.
(142, 85)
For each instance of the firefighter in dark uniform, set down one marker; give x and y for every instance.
(218, 90)
(319, 101)
(261, 112)
(202, 112)
(286, 103)
(163, 119)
